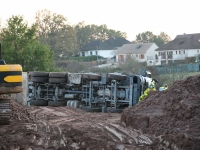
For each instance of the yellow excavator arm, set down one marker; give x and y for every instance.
(10, 79)
(10, 82)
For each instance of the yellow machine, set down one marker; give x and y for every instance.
(10, 82)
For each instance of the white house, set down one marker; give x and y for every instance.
(105, 48)
(144, 52)
(183, 47)
(107, 53)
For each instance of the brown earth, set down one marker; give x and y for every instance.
(164, 120)
(172, 115)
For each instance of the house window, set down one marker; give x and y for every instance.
(96, 52)
(121, 58)
(136, 55)
(184, 52)
(128, 56)
(176, 52)
(91, 53)
(142, 56)
(197, 51)
(179, 52)
(83, 53)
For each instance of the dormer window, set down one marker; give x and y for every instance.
(181, 42)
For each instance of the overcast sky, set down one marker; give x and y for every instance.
(173, 17)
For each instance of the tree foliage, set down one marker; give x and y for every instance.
(53, 30)
(20, 46)
(148, 37)
(131, 65)
(87, 33)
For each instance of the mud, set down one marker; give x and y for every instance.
(68, 128)
(165, 120)
(172, 115)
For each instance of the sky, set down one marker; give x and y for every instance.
(174, 17)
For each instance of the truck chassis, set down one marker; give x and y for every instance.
(88, 91)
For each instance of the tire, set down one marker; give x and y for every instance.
(91, 76)
(72, 104)
(58, 75)
(39, 74)
(76, 104)
(57, 80)
(57, 103)
(40, 79)
(116, 76)
(88, 109)
(39, 102)
(68, 103)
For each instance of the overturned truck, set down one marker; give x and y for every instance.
(88, 91)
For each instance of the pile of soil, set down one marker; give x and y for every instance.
(19, 112)
(173, 115)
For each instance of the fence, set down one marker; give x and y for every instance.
(174, 69)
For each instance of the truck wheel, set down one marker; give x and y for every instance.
(39, 102)
(57, 80)
(57, 75)
(39, 79)
(116, 76)
(39, 74)
(57, 103)
(68, 103)
(91, 76)
(76, 104)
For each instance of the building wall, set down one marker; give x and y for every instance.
(103, 53)
(22, 97)
(151, 51)
(150, 54)
(180, 54)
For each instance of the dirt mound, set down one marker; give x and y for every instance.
(20, 112)
(171, 115)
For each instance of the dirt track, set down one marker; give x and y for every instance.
(67, 128)
(167, 120)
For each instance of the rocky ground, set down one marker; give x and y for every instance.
(164, 120)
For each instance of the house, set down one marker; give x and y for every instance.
(143, 52)
(105, 49)
(184, 47)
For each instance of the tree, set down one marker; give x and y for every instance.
(87, 33)
(145, 37)
(54, 30)
(148, 37)
(20, 46)
(131, 65)
(164, 38)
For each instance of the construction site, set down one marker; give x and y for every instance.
(164, 120)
